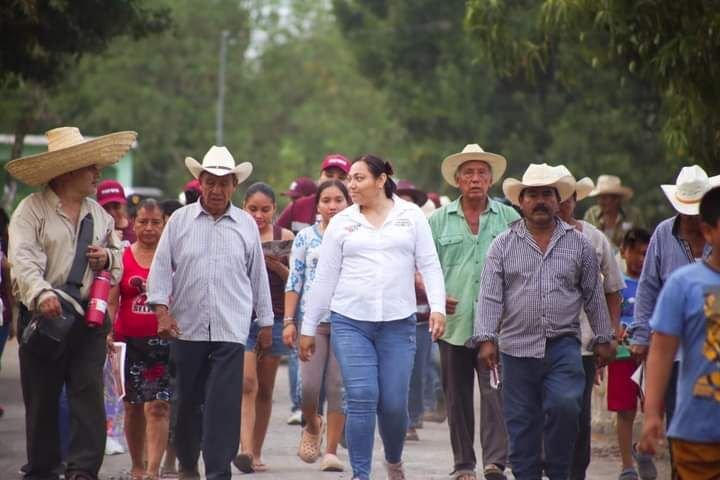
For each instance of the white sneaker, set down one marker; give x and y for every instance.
(295, 418)
(113, 447)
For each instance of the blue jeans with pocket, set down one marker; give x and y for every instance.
(542, 398)
(376, 361)
(421, 363)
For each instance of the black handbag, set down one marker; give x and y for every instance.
(45, 336)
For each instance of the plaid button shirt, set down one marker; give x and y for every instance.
(527, 297)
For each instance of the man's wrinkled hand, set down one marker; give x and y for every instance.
(97, 258)
(488, 354)
(167, 326)
(50, 307)
(450, 305)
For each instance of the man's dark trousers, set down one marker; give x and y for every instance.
(459, 367)
(80, 368)
(209, 394)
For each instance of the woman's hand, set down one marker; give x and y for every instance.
(307, 347)
(436, 325)
(290, 335)
(275, 265)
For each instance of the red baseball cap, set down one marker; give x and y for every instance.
(193, 184)
(301, 187)
(336, 160)
(109, 191)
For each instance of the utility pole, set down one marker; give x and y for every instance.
(224, 35)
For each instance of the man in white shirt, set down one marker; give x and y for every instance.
(210, 263)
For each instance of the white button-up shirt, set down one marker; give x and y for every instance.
(367, 273)
(211, 273)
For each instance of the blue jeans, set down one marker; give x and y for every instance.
(294, 380)
(376, 360)
(423, 340)
(542, 400)
(432, 388)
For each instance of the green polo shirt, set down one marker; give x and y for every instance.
(462, 257)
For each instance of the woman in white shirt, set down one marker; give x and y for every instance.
(365, 279)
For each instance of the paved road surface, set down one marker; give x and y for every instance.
(428, 459)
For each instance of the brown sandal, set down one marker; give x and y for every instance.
(310, 445)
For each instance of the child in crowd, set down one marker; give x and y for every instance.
(687, 316)
(622, 392)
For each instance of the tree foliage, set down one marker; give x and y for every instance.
(42, 38)
(673, 47)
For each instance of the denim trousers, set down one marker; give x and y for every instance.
(421, 363)
(376, 360)
(432, 387)
(294, 379)
(542, 401)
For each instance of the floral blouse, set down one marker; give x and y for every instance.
(303, 262)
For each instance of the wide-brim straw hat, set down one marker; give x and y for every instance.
(691, 184)
(539, 175)
(583, 187)
(472, 151)
(611, 185)
(69, 151)
(219, 161)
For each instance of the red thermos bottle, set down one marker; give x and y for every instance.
(97, 306)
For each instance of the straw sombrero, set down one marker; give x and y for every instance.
(69, 151)
(691, 184)
(539, 175)
(472, 151)
(611, 185)
(219, 161)
(583, 187)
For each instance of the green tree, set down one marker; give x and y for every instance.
(673, 47)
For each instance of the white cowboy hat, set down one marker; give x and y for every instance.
(583, 187)
(472, 151)
(539, 175)
(689, 188)
(220, 162)
(611, 185)
(69, 151)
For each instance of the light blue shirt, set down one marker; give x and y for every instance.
(666, 253)
(689, 308)
(212, 274)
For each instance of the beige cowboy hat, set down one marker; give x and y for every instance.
(689, 188)
(539, 175)
(69, 151)
(583, 187)
(472, 151)
(611, 185)
(220, 162)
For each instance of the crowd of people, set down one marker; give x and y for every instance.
(361, 282)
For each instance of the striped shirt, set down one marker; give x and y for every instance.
(212, 274)
(666, 253)
(528, 297)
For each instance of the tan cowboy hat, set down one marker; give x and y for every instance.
(472, 151)
(539, 175)
(220, 162)
(611, 185)
(69, 151)
(689, 188)
(583, 187)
